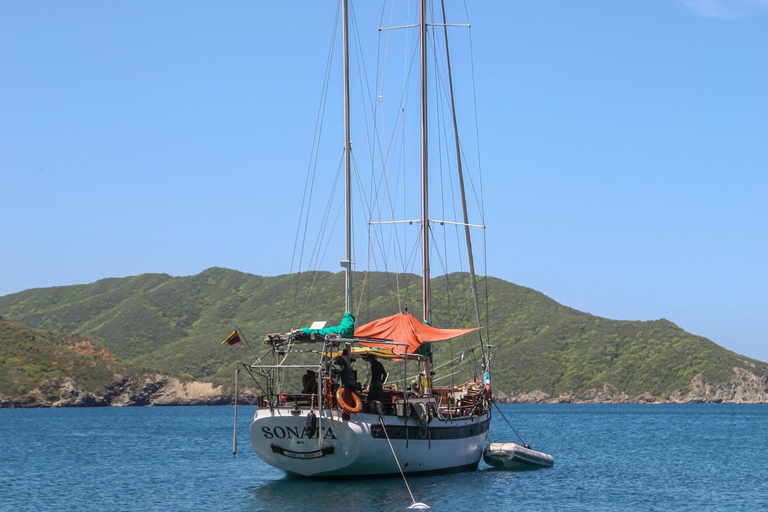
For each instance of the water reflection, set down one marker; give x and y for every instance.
(443, 492)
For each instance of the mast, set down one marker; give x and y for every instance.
(467, 235)
(426, 289)
(426, 292)
(347, 262)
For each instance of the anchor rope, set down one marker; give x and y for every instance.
(510, 426)
(384, 427)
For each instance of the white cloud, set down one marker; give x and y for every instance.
(726, 8)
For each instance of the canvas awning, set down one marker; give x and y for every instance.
(381, 353)
(405, 328)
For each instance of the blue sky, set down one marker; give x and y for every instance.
(624, 147)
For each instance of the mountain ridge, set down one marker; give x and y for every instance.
(546, 351)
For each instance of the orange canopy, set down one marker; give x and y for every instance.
(405, 328)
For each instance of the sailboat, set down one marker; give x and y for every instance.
(336, 428)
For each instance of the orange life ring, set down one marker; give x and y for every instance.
(344, 405)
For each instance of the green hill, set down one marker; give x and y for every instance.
(40, 368)
(175, 324)
(546, 346)
(35, 358)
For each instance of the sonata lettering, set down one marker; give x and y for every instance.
(293, 433)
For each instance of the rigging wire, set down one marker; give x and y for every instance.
(473, 278)
(388, 190)
(383, 187)
(311, 171)
(315, 258)
(318, 255)
(480, 174)
(386, 185)
(477, 124)
(458, 313)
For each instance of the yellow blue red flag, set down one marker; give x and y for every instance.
(232, 339)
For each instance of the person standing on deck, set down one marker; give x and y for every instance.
(347, 375)
(309, 383)
(378, 376)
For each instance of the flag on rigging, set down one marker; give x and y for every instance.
(232, 338)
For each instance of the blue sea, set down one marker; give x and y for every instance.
(607, 457)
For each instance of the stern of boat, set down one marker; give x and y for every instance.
(281, 438)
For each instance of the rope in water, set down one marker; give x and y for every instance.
(510, 426)
(413, 500)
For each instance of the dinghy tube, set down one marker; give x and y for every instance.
(515, 457)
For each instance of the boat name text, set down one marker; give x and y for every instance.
(294, 433)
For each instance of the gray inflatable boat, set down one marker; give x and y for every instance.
(516, 457)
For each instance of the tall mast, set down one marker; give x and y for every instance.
(426, 292)
(347, 263)
(470, 254)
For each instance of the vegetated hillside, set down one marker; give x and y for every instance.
(546, 346)
(30, 358)
(176, 324)
(544, 350)
(40, 368)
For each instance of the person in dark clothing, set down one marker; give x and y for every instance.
(346, 375)
(347, 378)
(309, 383)
(378, 376)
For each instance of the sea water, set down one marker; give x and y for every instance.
(607, 457)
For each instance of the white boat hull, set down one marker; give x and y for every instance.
(359, 447)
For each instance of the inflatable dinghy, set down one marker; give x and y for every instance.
(515, 457)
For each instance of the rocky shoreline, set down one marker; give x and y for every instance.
(163, 390)
(154, 390)
(744, 388)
